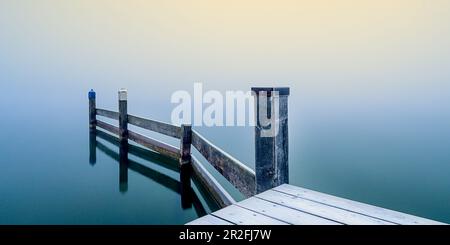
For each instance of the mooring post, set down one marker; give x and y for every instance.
(92, 112)
(123, 115)
(185, 144)
(123, 139)
(271, 137)
(185, 165)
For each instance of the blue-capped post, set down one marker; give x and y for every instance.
(92, 112)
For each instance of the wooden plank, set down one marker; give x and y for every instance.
(109, 114)
(156, 126)
(242, 216)
(319, 209)
(239, 175)
(155, 145)
(283, 213)
(218, 193)
(209, 220)
(358, 207)
(108, 127)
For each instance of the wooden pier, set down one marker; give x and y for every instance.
(270, 199)
(291, 205)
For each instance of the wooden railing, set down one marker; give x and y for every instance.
(237, 173)
(270, 171)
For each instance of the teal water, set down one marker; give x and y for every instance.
(391, 153)
(55, 172)
(369, 110)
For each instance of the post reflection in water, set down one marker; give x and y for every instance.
(185, 185)
(123, 166)
(92, 147)
(182, 186)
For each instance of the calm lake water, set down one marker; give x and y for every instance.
(392, 154)
(369, 110)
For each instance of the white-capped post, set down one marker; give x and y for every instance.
(123, 115)
(123, 137)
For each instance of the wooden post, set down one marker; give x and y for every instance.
(271, 137)
(185, 166)
(92, 112)
(123, 139)
(185, 144)
(123, 115)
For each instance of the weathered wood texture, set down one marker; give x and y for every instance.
(92, 112)
(154, 145)
(159, 127)
(271, 137)
(149, 143)
(185, 144)
(240, 176)
(283, 213)
(321, 210)
(108, 127)
(123, 115)
(294, 205)
(357, 207)
(218, 193)
(241, 216)
(106, 113)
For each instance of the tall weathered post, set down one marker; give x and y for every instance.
(185, 165)
(271, 137)
(92, 112)
(123, 138)
(185, 144)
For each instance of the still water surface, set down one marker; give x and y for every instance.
(393, 155)
(369, 115)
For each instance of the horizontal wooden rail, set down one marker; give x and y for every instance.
(219, 194)
(106, 113)
(149, 143)
(108, 127)
(271, 152)
(240, 176)
(154, 145)
(201, 175)
(159, 127)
